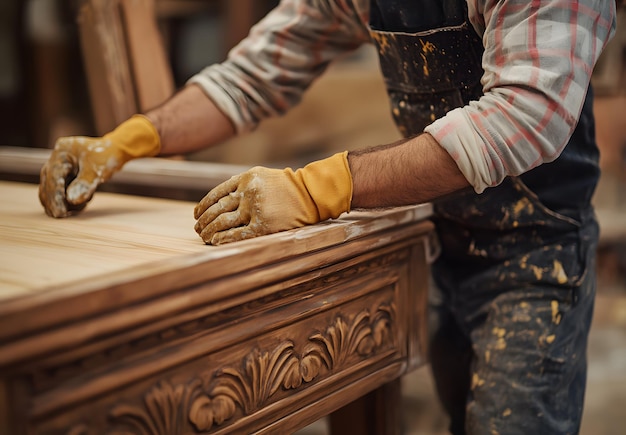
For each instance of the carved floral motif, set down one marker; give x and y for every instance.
(164, 410)
(168, 409)
(262, 375)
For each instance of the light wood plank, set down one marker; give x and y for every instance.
(152, 172)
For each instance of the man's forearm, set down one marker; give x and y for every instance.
(189, 121)
(410, 171)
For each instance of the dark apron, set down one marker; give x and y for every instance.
(430, 57)
(527, 244)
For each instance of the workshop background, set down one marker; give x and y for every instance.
(45, 94)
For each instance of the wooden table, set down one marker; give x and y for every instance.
(120, 320)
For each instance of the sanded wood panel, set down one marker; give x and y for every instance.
(115, 233)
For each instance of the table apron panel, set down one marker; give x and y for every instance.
(274, 359)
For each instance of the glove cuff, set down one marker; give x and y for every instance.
(136, 137)
(329, 182)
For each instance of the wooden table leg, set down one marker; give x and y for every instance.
(376, 413)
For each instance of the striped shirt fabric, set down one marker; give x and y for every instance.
(538, 60)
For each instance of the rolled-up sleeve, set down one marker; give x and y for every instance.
(268, 72)
(538, 60)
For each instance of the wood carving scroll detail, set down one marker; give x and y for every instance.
(210, 401)
(164, 410)
(263, 373)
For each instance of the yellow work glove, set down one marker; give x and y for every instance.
(78, 164)
(264, 201)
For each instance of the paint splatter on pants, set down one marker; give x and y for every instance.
(511, 312)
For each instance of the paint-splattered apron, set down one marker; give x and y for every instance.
(515, 280)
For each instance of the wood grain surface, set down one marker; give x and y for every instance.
(119, 232)
(116, 232)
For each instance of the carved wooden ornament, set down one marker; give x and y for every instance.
(168, 409)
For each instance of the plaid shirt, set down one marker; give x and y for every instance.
(538, 59)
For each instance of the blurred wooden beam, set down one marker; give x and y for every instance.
(125, 61)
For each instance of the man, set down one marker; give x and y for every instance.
(489, 95)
